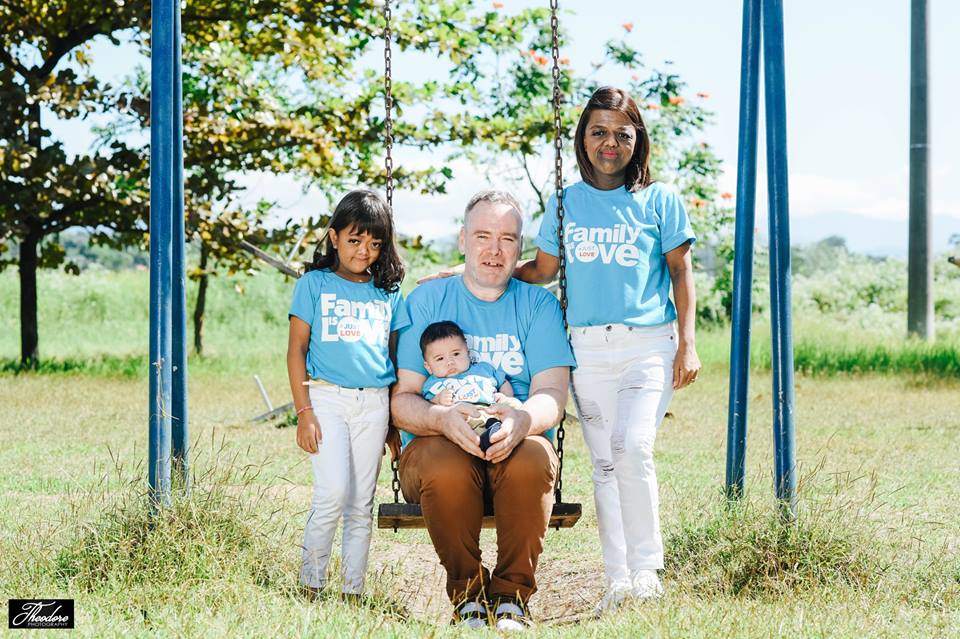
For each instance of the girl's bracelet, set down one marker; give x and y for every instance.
(304, 409)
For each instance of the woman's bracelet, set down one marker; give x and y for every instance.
(304, 409)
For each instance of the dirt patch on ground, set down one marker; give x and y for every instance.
(411, 572)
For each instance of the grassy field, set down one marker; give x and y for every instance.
(875, 552)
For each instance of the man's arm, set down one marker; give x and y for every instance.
(419, 417)
(542, 410)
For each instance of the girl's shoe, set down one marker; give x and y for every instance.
(646, 585)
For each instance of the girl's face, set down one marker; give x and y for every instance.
(356, 253)
(609, 142)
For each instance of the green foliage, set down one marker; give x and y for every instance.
(203, 537)
(747, 550)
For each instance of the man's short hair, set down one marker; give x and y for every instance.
(438, 331)
(494, 197)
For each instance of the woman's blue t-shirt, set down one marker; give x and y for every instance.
(350, 325)
(615, 244)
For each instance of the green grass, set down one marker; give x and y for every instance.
(875, 550)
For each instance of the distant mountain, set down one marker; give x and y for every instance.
(867, 235)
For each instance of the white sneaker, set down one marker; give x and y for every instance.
(471, 615)
(511, 617)
(646, 585)
(616, 594)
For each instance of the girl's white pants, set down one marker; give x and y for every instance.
(353, 423)
(622, 386)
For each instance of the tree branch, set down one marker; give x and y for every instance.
(14, 64)
(533, 185)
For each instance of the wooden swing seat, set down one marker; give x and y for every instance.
(399, 515)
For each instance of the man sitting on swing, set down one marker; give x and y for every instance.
(518, 329)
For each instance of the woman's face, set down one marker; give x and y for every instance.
(609, 141)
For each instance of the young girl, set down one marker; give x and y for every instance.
(345, 313)
(626, 239)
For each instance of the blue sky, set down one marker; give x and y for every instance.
(847, 108)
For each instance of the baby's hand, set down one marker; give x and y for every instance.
(499, 398)
(444, 398)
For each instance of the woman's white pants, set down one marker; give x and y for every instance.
(353, 423)
(622, 386)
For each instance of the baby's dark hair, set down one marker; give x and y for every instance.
(364, 211)
(438, 331)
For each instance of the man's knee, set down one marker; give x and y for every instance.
(532, 463)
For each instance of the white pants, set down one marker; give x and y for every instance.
(622, 386)
(353, 423)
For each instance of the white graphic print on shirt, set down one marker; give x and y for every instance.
(501, 351)
(351, 321)
(617, 244)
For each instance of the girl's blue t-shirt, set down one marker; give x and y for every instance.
(615, 244)
(476, 385)
(350, 325)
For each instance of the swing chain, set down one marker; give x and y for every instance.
(395, 467)
(388, 99)
(558, 183)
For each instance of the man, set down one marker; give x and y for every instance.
(518, 329)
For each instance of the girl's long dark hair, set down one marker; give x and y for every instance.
(613, 99)
(369, 213)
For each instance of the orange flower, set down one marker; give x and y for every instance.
(703, 94)
(564, 60)
(634, 77)
(651, 106)
(498, 5)
(727, 195)
(531, 53)
(698, 202)
(628, 26)
(676, 100)
(540, 59)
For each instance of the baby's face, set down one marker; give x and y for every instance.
(446, 357)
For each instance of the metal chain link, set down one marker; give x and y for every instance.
(388, 99)
(395, 466)
(558, 175)
(388, 165)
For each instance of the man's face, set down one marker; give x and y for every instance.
(490, 243)
(446, 357)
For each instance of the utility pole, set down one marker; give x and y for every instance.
(919, 272)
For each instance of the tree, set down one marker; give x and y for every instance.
(518, 123)
(275, 85)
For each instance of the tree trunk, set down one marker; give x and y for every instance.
(29, 336)
(201, 304)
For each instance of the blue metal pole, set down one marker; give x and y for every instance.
(161, 59)
(782, 346)
(743, 248)
(179, 405)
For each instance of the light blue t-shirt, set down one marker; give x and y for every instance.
(615, 243)
(350, 325)
(520, 334)
(476, 385)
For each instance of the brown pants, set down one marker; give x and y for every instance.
(450, 484)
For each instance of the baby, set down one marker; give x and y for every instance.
(454, 379)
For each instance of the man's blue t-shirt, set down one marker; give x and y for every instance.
(615, 243)
(519, 334)
(350, 325)
(476, 385)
